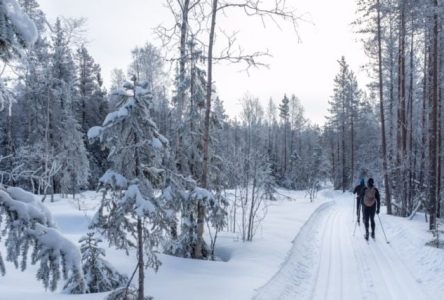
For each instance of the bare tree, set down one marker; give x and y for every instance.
(251, 8)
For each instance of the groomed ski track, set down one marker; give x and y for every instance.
(328, 262)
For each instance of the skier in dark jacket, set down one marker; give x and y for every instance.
(358, 191)
(371, 202)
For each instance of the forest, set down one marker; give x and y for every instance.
(173, 168)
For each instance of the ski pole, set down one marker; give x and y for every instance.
(383, 230)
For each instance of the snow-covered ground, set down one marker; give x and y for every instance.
(331, 261)
(303, 250)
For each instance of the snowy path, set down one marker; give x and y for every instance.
(328, 262)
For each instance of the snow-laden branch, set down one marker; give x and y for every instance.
(23, 26)
(29, 225)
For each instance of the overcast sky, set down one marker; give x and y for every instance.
(305, 69)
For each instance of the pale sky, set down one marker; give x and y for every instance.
(305, 69)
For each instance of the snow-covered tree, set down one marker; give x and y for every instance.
(64, 131)
(352, 123)
(90, 108)
(30, 232)
(100, 275)
(130, 215)
(17, 31)
(284, 113)
(147, 65)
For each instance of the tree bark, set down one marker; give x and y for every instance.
(402, 126)
(206, 137)
(182, 60)
(433, 128)
(382, 116)
(140, 262)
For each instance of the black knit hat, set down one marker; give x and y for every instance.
(370, 182)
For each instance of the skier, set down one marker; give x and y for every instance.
(358, 191)
(371, 203)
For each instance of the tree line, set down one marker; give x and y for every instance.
(170, 162)
(403, 40)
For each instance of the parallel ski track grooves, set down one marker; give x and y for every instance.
(320, 241)
(325, 277)
(339, 242)
(366, 280)
(328, 262)
(386, 263)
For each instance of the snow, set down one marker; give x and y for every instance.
(201, 194)
(140, 91)
(334, 263)
(26, 206)
(143, 206)
(156, 143)
(303, 250)
(95, 132)
(21, 22)
(114, 180)
(121, 113)
(51, 238)
(163, 139)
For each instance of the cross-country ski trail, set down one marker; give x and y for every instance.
(328, 262)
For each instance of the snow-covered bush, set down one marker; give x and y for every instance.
(27, 225)
(100, 275)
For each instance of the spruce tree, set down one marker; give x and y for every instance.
(100, 275)
(64, 130)
(132, 209)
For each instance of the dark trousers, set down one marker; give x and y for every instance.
(358, 208)
(369, 213)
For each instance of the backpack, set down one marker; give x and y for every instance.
(370, 196)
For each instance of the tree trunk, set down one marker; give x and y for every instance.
(411, 167)
(433, 128)
(388, 199)
(140, 292)
(180, 157)
(402, 126)
(344, 175)
(285, 147)
(206, 137)
(183, 58)
(422, 172)
(251, 214)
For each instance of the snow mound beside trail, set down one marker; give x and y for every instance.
(299, 263)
